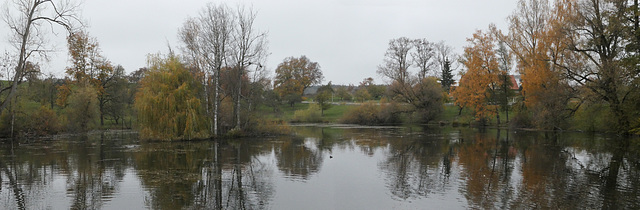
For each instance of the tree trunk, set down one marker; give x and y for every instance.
(507, 113)
(610, 180)
(218, 179)
(101, 118)
(207, 99)
(216, 108)
(238, 98)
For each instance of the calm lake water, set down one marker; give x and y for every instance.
(326, 168)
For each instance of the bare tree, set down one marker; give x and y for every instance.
(396, 61)
(26, 20)
(249, 47)
(207, 42)
(418, 90)
(217, 22)
(190, 34)
(224, 38)
(444, 54)
(424, 56)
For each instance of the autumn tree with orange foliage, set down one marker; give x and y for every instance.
(481, 77)
(539, 45)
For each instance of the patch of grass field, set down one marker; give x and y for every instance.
(335, 113)
(283, 112)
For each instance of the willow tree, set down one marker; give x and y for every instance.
(167, 102)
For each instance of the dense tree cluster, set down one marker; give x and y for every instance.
(572, 54)
(577, 61)
(224, 42)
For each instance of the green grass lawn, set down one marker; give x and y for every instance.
(284, 111)
(335, 113)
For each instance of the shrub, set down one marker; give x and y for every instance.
(15, 123)
(522, 117)
(29, 118)
(521, 120)
(262, 127)
(593, 117)
(44, 122)
(83, 111)
(373, 114)
(312, 114)
(389, 113)
(365, 114)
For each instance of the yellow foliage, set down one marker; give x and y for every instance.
(63, 95)
(294, 75)
(482, 74)
(167, 103)
(539, 42)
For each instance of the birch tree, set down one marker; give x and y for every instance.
(224, 38)
(207, 41)
(249, 47)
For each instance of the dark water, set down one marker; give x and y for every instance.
(326, 168)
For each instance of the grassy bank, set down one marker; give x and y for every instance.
(450, 115)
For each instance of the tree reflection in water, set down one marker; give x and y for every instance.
(481, 169)
(547, 170)
(92, 170)
(205, 175)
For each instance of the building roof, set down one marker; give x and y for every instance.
(515, 82)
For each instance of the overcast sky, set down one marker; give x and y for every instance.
(348, 38)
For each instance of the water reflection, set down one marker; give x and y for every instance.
(409, 168)
(545, 170)
(205, 175)
(298, 158)
(88, 170)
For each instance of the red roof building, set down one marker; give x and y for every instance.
(515, 82)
